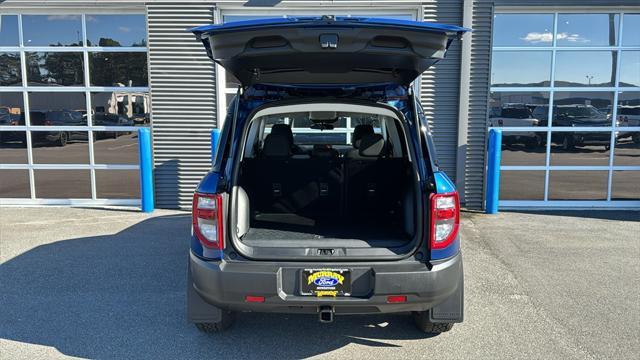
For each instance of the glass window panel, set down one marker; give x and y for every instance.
(524, 148)
(111, 147)
(523, 30)
(52, 30)
(585, 68)
(587, 29)
(625, 185)
(10, 74)
(55, 68)
(522, 185)
(627, 151)
(60, 147)
(116, 30)
(14, 184)
(630, 68)
(11, 109)
(118, 69)
(120, 108)
(117, 184)
(580, 148)
(582, 109)
(57, 109)
(631, 30)
(62, 184)
(9, 30)
(13, 147)
(521, 68)
(578, 185)
(508, 109)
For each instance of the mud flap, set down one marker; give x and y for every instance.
(198, 310)
(452, 309)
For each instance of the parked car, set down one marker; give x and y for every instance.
(6, 120)
(580, 116)
(54, 118)
(629, 116)
(104, 119)
(516, 115)
(372, 230)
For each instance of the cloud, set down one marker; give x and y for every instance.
(536, 37)
(572, 37)
(90, 18)
(124, 29)
(547, 37)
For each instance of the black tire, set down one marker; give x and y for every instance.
(535, 141)
(228, 318)
(421, 319)
(636, 138)
(63, 139)
(568, 143)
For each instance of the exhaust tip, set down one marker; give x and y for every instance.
(326, 314)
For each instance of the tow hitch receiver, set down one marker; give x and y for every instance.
(326, 314)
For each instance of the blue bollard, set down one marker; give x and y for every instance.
(215, 138)
(146, 170)
(493, 171)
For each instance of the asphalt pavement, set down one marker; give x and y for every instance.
(110, 284)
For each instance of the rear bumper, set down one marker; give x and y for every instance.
(226, 283)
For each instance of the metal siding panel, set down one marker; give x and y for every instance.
(440, 87)
(183, 87)
(478, 102)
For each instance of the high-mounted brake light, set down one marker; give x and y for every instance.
(207, 220)
(445, 219)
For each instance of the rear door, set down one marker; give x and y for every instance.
(327, 50)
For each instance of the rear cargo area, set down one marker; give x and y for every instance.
(320, 191)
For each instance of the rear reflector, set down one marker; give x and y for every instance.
(254, 299)
(207, 220)
(445, 219)
(394, 299)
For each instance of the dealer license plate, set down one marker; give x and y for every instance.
(326, 282)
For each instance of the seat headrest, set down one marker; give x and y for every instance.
(358, 132)
(371, 145)
(283, 129)
(276, 145)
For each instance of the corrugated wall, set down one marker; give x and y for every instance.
(440, 87)
(182, 80)
(478, 102)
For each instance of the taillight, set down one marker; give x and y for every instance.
(445, 219)
(207, 220)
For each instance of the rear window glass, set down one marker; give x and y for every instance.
(629, 110)
(516, 113)
(323, 129)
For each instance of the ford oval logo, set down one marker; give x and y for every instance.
(325, 281)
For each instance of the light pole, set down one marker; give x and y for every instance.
(589, 77)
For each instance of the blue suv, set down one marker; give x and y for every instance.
(325, 195)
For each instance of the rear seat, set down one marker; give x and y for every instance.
(323, 184)
(371, 188)
(282, 182)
